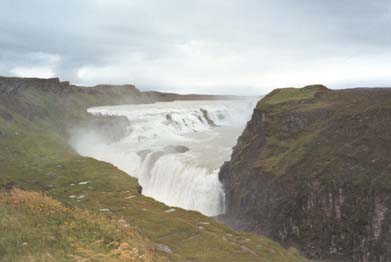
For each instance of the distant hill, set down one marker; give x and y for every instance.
(166, 97)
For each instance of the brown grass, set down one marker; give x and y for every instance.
(89, 236)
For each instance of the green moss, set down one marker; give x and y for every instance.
(285, 152)
(283, 95)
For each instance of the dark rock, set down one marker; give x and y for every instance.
(206, 117)
(312, 168)
(175, 149)
(9, 186)
(139, 189)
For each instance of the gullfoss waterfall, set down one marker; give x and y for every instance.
(175, 149)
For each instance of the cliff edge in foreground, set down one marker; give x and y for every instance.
(313, 168)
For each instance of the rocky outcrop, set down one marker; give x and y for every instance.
(313, 169)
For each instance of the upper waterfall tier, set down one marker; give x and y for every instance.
(179, 117)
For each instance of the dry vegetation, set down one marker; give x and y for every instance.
(35, 227)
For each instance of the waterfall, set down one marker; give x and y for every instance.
(175, 149)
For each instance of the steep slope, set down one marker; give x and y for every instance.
(313, 168)
(90, 210)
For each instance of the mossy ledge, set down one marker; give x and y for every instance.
(58, 206)
(312, 168)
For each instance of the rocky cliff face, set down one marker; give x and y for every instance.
(313, 168)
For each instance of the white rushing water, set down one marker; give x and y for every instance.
(175, 149)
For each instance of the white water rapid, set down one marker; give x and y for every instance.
(175, 149)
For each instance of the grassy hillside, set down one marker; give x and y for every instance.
(58, 206)
(38, 228)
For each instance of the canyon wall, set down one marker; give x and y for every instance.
(313, 169)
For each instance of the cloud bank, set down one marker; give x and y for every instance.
(204, 46)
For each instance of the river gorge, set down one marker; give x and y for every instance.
(175, 149)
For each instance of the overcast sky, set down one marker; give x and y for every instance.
(199, 46)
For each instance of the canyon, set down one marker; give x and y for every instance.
(174, 149)
(58, 205)
(311, 171)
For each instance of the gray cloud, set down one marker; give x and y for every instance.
(213, 46)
